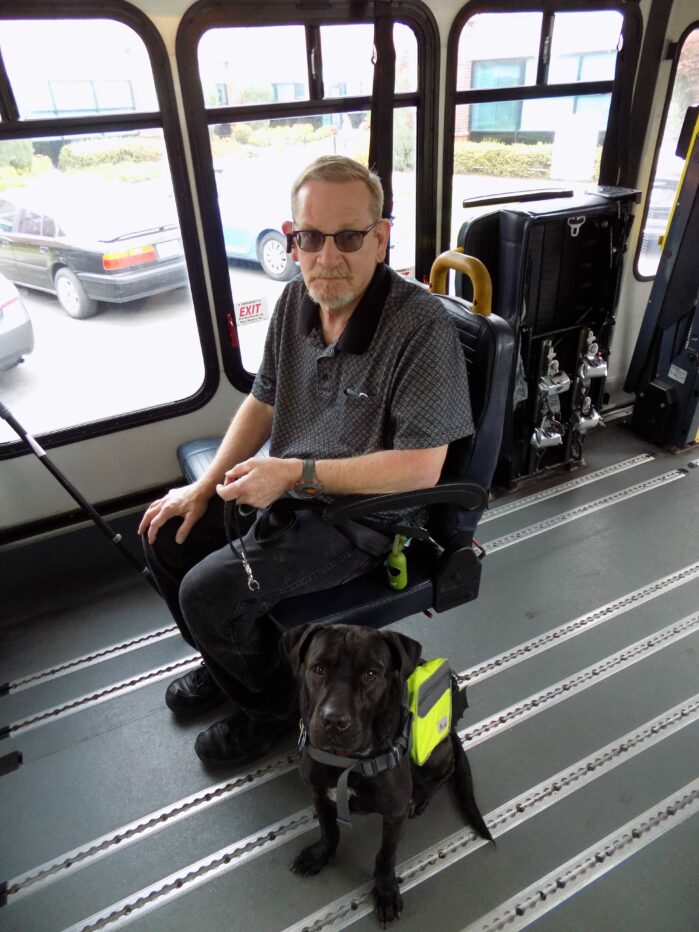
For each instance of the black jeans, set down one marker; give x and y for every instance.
(206, 589)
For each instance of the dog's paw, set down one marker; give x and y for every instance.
(389, 903)
(417, 808)
(311, 860)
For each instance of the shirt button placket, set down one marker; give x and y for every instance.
(325, 375)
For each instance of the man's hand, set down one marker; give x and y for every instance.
(189, 502)
(260, 481)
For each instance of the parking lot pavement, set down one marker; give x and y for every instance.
(127, 358)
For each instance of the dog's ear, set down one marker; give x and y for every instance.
(297, 641)
(405, 651)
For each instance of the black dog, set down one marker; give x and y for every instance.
(352, 683)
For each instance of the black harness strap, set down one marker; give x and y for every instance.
(366, 766)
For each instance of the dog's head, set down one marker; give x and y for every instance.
(351, 682)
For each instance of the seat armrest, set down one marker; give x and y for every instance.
(466, 495)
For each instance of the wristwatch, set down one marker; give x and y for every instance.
(308, 485)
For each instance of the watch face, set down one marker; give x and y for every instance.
(308, 490)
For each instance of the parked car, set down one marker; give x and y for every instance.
(88, 241)
(251, 215)
(253, 200)
(16, 331)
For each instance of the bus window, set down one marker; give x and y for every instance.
(532, 101)
(77, 68)
(668, 166)
(277, 97)
(91, 233)
(254, 164)
(253, 65)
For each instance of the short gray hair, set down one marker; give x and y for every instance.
(340, 169)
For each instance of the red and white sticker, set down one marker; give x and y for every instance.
(248, 312)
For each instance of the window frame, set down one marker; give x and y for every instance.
(209, 14)
(166, 119)
(674, 52)
(540, 89)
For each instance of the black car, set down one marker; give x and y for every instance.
(89, 242)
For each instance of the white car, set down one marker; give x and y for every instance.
(16, 332)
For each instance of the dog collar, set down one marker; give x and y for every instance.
(366, 766)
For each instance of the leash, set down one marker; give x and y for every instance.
(232, 513)
(366, 766)
(230, 509)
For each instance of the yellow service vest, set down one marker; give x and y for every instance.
(429, 700)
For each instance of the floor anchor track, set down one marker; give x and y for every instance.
(584, 679)
(475, 674)
(577, 626)
(565, 881)
(429, 862)
(92, 699)
(156, 821)
(499, 511)
(359, 902)
(506, 817)
(516, 537)
(88, 660)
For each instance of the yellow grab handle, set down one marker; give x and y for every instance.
(469, 265)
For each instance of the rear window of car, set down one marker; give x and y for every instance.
(7, 215)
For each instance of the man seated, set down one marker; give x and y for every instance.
(361, 388)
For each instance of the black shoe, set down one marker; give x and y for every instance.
(239, 739)
(195, 692)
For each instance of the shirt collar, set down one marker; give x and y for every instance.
(361, 327)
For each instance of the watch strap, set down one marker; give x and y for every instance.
(308, 485)
(308, 472)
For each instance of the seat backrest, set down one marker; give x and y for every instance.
(488, 345)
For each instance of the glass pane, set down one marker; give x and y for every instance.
(584, 46)
(348, 52)
(406, 58)
(526, 145)
(685, 93)
(402, 250)
(91, 237)
(255, 166)
(498, 50)
(253, 65)
(76, 68)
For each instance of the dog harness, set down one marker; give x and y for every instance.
(366, 766)
(426, 718)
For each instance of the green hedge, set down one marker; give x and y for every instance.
(91, 153)
(293, 134)
(515, 160)
(17, 154)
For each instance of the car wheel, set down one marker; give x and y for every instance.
(72, 296)
(274, 259)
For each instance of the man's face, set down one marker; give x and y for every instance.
(337, 280)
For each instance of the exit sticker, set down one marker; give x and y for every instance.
(247, 312)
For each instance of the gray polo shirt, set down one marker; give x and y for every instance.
(395, 379)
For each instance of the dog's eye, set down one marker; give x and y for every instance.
(369, 675)
(318, 669)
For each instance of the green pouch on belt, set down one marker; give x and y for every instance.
(429, 700)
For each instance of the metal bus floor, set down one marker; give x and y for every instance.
(582, 732)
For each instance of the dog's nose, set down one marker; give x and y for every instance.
(334, 720)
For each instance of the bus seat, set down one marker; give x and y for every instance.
(444, 571)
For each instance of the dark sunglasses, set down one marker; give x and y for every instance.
(314, 240)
